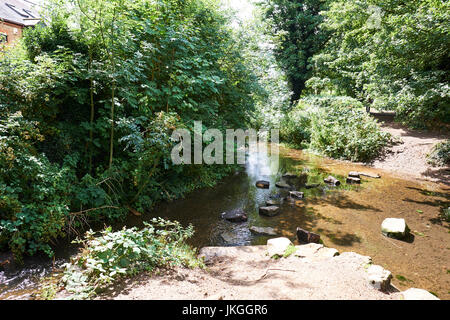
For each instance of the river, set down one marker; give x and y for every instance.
(348, 218)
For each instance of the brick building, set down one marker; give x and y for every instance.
(16, 15)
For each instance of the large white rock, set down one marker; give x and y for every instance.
(278, 246)
(394, 228)
(418, 294)
(314, 250)
(328, 252)
(379, 277)
(308, 250)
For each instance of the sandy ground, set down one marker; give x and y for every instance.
(247, 273)
(409, 157)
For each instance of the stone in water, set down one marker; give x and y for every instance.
(269, 211)
(307, 237)
(296, 195)
(351, 180)
(379, 277)
(263, 184)
(263, 231)
(237, 215)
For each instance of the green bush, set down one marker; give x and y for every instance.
(440, 155)
(99, 90)
(337, 127)
(377, 54)
(295, 128)
(114, 255)
(344, 132)
(34, 193)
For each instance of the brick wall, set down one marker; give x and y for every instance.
(13, 31)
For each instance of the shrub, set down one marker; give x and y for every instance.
(295, 128)
(34, 200)
(390, 64)
(93, 139)
(337, 127)
(440, 155)
(114, 255)
(343, 132)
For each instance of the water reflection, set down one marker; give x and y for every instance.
(203, 207)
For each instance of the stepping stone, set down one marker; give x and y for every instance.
(312, 186)
(228, 237)
(354, 174)
(277, 196)
(332, 180)
(269, 211)
(328, 252)
(282, 185)
(271, 203)
(296, 195)
(374, 176)
(308, 250)
(236, 215)
(394, 228)
(263, 231)
(307, 237)
(289, 175)
(351, 180)
(262, 184)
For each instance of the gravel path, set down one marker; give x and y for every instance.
(409, 157)
(237, 273)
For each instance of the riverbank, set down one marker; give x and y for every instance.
(408, 157)
(248, 273)
(348, 220)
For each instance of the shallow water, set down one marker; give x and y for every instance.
(347, 218)
(202, 208)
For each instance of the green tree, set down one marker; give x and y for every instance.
(390, 55)
(105, 83)
(296, 23)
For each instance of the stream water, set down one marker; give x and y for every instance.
(347, 218)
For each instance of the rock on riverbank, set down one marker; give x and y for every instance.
(237, 273)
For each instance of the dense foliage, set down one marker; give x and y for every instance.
(337, 127)
(296, 24)
(88, 105)
(272, 95)
(390, 55)
(106, 258)
(34, 202)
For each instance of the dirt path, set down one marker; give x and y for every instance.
(409, 157)
(247, 273)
